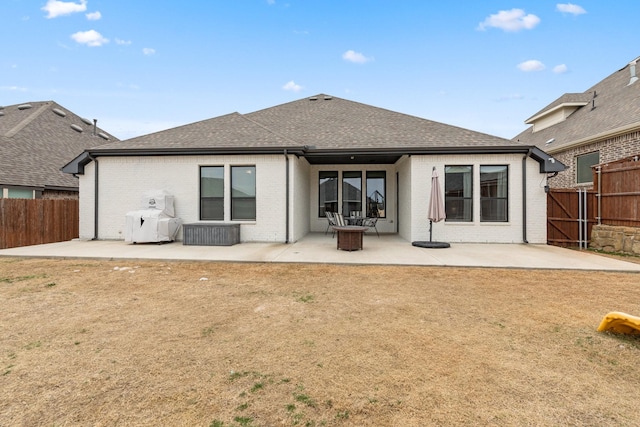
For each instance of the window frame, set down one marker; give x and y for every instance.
(236, 200)
(322, 204)
(494, 203)
(581, 168)
(467, 201)
(370, 175)
(219, 199)
(346, 207)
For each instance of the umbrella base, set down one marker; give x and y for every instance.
(431, 245)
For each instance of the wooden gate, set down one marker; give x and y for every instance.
(571, 215)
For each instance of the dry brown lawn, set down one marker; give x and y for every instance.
(107, 343)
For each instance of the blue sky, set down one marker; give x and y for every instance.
(143, 66)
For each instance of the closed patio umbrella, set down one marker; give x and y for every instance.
(436, 212)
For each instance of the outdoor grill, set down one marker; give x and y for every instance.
(155, 222)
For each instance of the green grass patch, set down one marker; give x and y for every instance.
(207, 332)
(304, 398)
(244, 421)
(22, 278)
(32, 345)
(306, 298)
(257, 387)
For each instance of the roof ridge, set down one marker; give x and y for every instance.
(28, 120)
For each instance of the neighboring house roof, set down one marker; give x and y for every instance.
(37, 139)
(610, 108)
(322, 128)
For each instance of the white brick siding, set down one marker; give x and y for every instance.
(299, 207)
(123, 181)
(476, 231)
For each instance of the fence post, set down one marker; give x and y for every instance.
(598, 194)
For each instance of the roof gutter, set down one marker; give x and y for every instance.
(286, 159)
(124, 152)
(311, 151)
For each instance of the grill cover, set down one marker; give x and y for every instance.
(153, 223)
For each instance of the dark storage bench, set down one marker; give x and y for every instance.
(211, 234)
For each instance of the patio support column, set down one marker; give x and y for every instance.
(95, 198)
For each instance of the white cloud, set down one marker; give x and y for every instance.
(148, 51)
(355, 57)
(560, 69)
(123, 42)
(56, 8)
(94, 16)
(13, 88)
(271, 1)
(573, 9)
(128, 86)
(91, 38)
(511, 97)
(510, 20)
(531, 65)
(292, 86)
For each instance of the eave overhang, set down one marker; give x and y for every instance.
(322, 156)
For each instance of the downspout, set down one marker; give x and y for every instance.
(95, 198)
(286, 158)
(524, 196)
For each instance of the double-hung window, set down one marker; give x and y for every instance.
(458, 193)
(494, 193)
(243, 192)
(212, 193)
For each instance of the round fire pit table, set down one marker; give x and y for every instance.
(350, 237)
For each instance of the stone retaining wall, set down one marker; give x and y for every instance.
(611, 238)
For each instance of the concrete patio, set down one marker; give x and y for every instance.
(320, 248)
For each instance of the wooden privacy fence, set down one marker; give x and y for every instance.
(618, 184)
(25, 222)
(571, 214)
(614, 200)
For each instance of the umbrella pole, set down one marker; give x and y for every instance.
(430, 230)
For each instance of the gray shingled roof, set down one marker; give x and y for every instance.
(335, 123)
(322, 122)
(229, 131)
(36, 141)
(617, 106)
